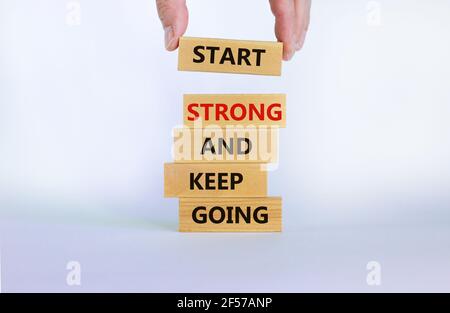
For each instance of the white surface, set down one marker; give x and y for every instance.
(126, 255)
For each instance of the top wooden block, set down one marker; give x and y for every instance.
(230, 56)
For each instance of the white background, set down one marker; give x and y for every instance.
(86, 113)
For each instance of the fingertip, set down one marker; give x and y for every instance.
(284, 26)
(170, 41)
(301, 41)
(289, 46)
(288, 56)
(288, 52)
(174, 17)
(173, 46)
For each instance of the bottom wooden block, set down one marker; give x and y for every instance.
(230, 214)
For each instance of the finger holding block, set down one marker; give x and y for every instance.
(230, 214)
(214, 180)
(230, 56)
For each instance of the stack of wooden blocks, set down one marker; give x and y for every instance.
(228, 142)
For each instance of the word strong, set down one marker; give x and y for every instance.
(230, 56)
(202, 110)
(228, 214)
(214, 180)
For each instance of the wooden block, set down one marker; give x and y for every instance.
(202, 110)
(230, 56)
(230, 214)
(214, 180)
(258, 145)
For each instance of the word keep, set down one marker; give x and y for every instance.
(215, 181)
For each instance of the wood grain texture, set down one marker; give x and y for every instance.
(230, 56)
(225, 214)
(224, 180)
(201, 110)
(250, 145)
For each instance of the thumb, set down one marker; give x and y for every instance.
(284, 12)
(174, 18)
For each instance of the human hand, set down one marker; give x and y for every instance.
(291, 22)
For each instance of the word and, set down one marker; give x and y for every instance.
(208, 146)
(223, 145)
